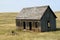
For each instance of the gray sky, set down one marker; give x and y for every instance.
(17, 5)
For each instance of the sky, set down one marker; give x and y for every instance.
(18, 5)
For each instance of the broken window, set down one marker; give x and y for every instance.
(48, 24)
(49, 27)
(17, 23)
(36, 24)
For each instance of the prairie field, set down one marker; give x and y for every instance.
(7, 24)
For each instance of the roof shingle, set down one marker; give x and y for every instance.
(32, 12)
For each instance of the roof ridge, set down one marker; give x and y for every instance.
(36, 7)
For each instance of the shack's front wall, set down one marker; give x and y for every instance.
(33, 22)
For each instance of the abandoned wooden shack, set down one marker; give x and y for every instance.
(39, 17)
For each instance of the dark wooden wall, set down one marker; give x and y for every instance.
(48, 17)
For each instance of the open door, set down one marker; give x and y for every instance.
(24, 25)
(36, 24)
(30, 25)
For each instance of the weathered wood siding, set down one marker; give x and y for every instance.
(52, 19)
(44, 23)
(48, 16)
(19, 24)
(52, 22)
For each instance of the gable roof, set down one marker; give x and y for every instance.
(32, 12)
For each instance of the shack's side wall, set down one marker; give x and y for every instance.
(48, 16)
(52, 19)
(53, 23)
(44, 26)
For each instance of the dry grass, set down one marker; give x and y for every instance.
(58, 18)
(7, 24)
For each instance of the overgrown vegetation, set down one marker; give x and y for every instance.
(7, 24)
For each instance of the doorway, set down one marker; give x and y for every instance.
(24, 25)
(30, 25)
